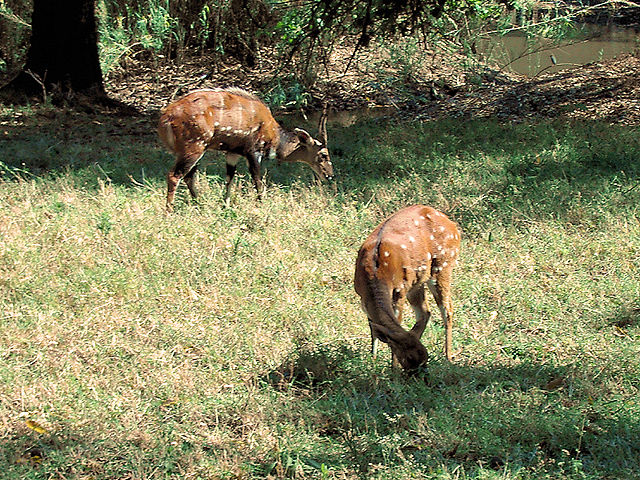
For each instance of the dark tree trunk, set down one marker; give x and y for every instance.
(64, 47)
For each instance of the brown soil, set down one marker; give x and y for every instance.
(607, 90)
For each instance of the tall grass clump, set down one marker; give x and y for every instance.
(229, 343)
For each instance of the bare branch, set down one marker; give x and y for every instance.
(40, 81)
(13, 17)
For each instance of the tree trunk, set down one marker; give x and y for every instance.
(64, 47)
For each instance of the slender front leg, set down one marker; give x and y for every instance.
(374, 341)
(417, 300)
(232, 162)
(397, 302)
(254, 160)
(441, 290)
(183, 166)
(191, 179)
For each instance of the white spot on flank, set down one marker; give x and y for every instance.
(385, 264)
(411, 239)
(416, 223)
(432, 237)
(386, 254)
(441, 228)
(216, 124)
(428, 255)
(444, 264)
(403, 246)
(428, 216)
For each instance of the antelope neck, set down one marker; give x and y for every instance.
(286, 144)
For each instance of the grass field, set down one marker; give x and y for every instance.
(217, 343)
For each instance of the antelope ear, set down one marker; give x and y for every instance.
(304, 136)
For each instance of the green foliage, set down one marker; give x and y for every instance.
(407, 58)
(121, 33)
(15, 31)
(291, 27)
(168, 28)
(287, 92)
(229, 343)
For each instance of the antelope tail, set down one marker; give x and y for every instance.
(165, 132)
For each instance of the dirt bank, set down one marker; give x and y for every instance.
(607, 90)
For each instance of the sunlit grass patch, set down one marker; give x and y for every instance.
(229, 342)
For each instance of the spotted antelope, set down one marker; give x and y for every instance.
(240, 124)
(414, 247)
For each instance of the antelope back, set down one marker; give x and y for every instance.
(412, 245)
(230, 119)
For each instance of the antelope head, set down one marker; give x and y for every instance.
(408, 350)
(311, 151)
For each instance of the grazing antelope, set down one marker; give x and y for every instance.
(240, 124)
(415, 246)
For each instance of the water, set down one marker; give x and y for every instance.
(515, 54)
(344, 118)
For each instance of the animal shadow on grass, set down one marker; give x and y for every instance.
(628, 317)
(27, 449)
(122, 149)
(519, 414)
(311, 366)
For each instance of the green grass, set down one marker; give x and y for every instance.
(217, 343)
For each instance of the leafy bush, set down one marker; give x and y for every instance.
(15, 31)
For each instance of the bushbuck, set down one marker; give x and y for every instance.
(417, 245)
(240, 124)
